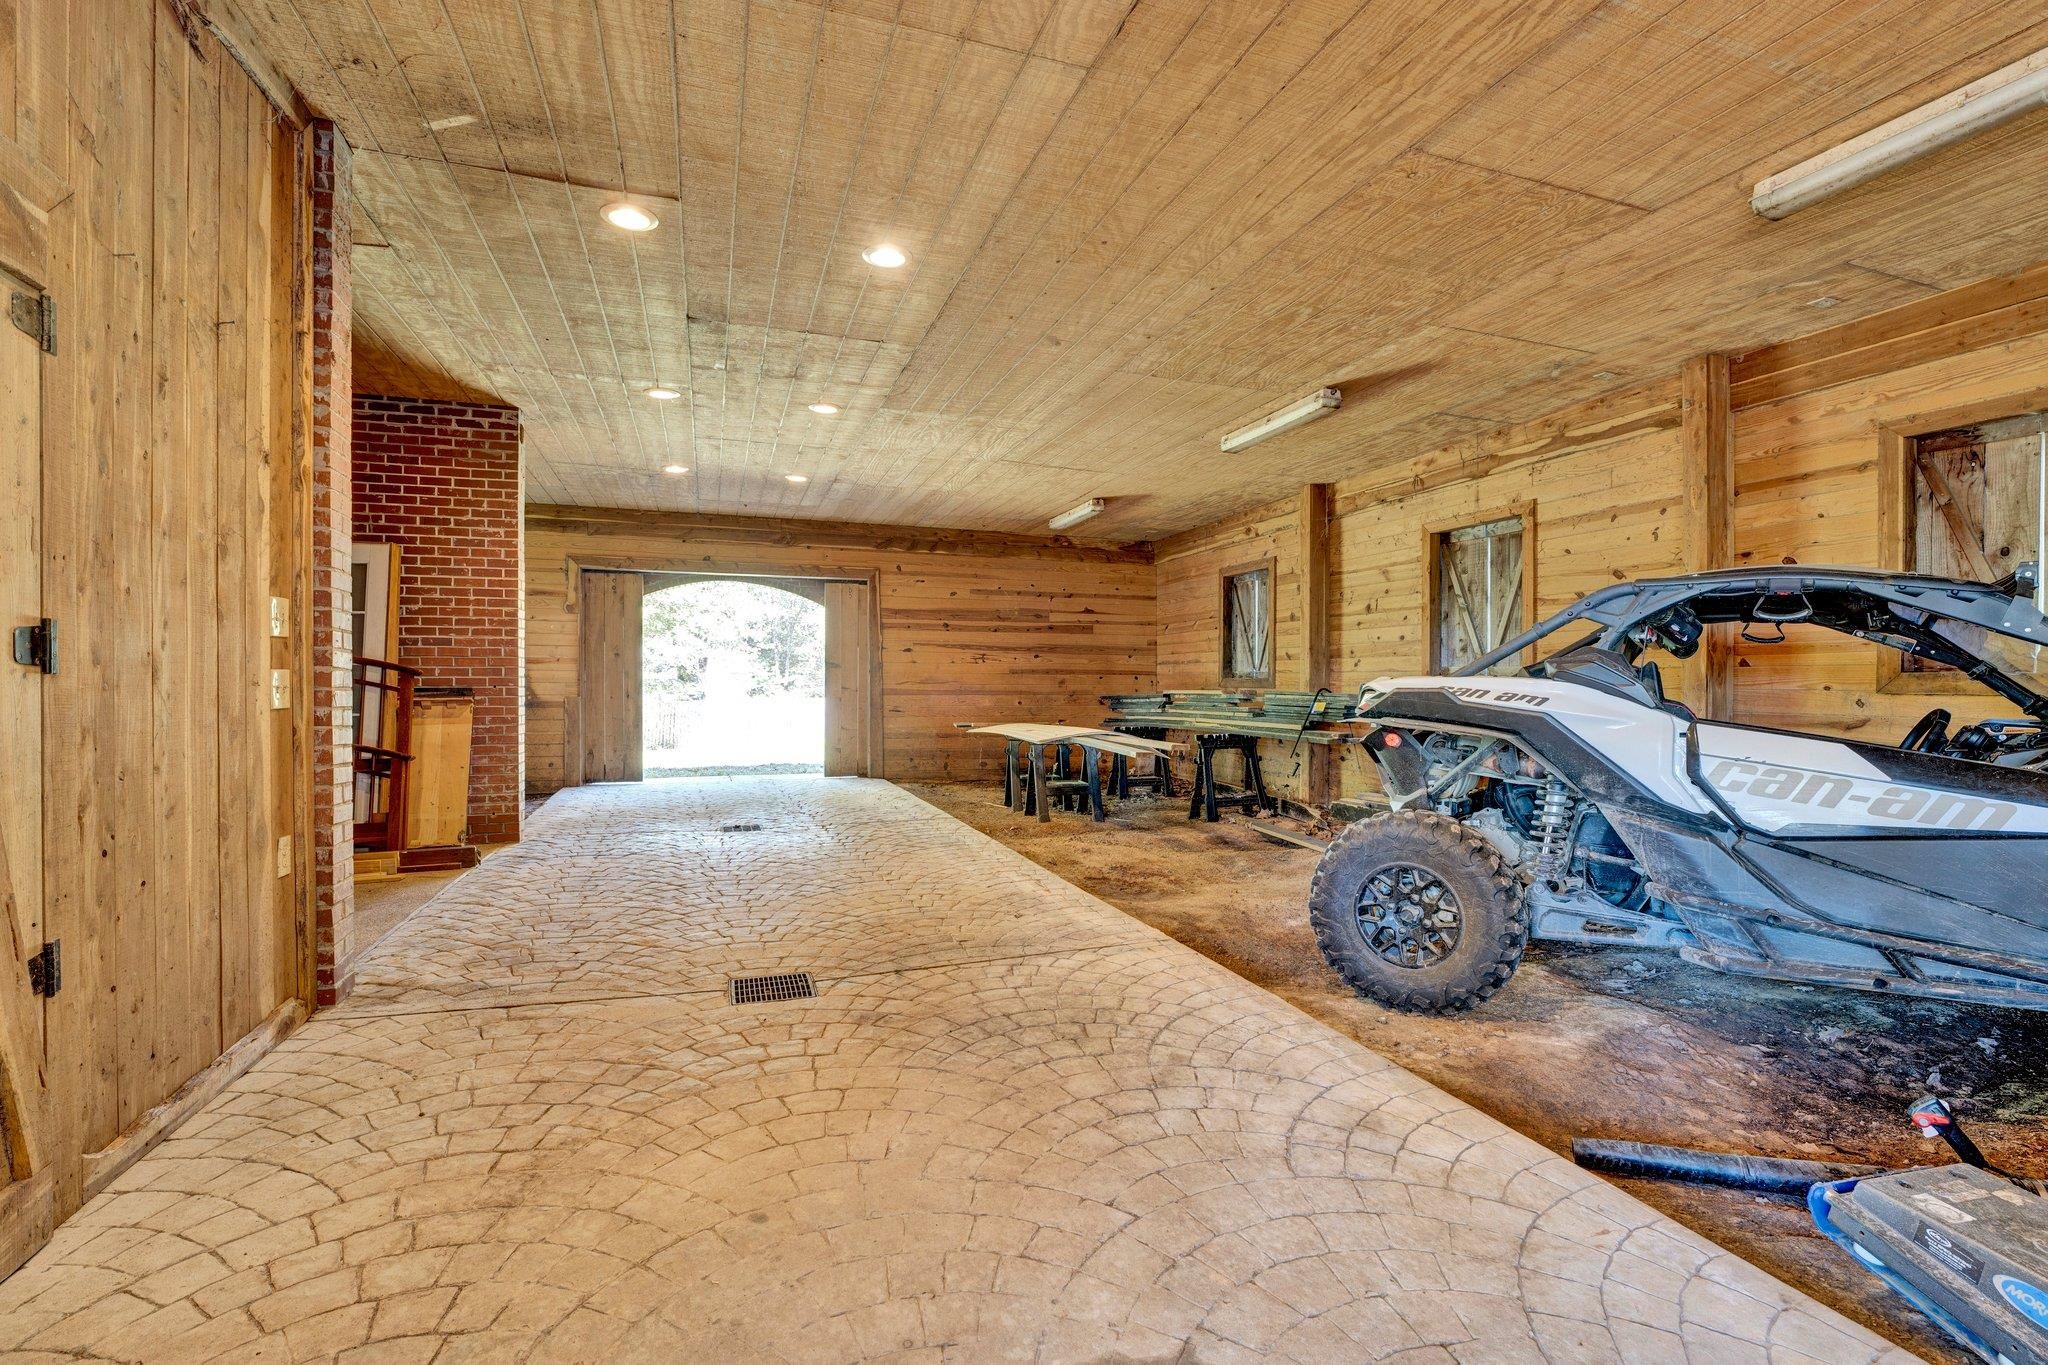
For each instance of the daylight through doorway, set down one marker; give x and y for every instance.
(732, 680)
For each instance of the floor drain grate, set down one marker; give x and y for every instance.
(743, 827)
(755, 990)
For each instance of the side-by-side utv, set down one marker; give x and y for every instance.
(1572, 800)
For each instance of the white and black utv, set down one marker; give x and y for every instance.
(1573, 801)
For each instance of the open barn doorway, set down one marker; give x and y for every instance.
(722, 674)
(732, 678)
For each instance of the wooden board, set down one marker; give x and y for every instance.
(24, 1135)
(439, 790)
(609, 676)
(849, 677)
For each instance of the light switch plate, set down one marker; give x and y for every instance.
(284, 855)
(280, 617)
(280, 689)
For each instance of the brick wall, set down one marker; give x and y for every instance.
(333, 832)
(441, 480)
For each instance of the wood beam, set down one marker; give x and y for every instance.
(1315, 517)
(1707, 443)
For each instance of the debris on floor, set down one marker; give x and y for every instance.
(1659, 1051)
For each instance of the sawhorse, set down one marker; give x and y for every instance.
(1208, 795)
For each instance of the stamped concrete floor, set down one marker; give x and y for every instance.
(1015, 1124)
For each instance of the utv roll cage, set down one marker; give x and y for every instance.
(1899, 611)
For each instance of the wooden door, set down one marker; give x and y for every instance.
(849, 670)
(26, 1186)
(608, 681)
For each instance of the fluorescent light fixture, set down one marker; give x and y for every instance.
(662, 395)
(2000, 97)
(824, 409)
(631, 217)
(1321, 403)
(675, 469)
(884, 254)
(1074, 516)
(797, 478)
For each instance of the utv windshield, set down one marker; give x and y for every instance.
(2023, 661)
(1992, 633)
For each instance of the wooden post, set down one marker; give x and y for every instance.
(1707, 440)
(1314, 518)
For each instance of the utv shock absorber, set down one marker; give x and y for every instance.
(1556, 810)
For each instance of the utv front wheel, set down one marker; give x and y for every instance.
(1417, 912)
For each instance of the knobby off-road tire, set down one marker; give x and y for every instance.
(1407, 849)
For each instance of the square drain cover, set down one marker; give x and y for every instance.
(755, 990)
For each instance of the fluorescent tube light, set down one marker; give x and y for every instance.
(1074, 516)
(2000, 97)
(1321, 403)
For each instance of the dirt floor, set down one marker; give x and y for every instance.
(1600, 1042)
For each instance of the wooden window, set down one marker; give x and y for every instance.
(1248, 625)
(1958, 496)
(1974, 509)
(1478, 590)
(1976, 498)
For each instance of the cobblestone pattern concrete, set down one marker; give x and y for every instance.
(1013, 1125)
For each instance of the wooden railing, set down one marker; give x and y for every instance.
(383, 770)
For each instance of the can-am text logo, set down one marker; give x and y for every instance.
(1881, 802)
(1496, 695)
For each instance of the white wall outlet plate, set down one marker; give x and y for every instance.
(280, 617)
(284, 855)
(280, 689)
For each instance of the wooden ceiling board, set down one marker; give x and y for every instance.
(1132, 225)
(1645, 104)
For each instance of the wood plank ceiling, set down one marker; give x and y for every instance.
(1130, 226)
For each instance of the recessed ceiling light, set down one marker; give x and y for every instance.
(675, 469)
(884, 254)
(824, 409)
(631, 217)
(797, 478)
(662, 395)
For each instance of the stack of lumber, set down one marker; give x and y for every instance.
(1262, 715)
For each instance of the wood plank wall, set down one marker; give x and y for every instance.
(1601, 484)
(174, 508)
(1811, 418)
(1635, 484)
(974, 627)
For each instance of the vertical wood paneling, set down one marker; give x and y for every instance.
(609, 684)
(849, 666)
(173, 489)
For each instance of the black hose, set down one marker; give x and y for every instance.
(1765, 1174)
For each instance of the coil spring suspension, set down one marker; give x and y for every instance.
(1556, 810)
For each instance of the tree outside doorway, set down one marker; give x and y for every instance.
(732, 681)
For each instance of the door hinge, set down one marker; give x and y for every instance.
(35, 314)
(46, 969)
(36, 646)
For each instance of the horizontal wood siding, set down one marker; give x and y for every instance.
(1808, 480)
(1600, 484)
(974, 628)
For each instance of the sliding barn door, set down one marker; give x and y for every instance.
(25, 1182)
(609, 676)
(849, 671)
